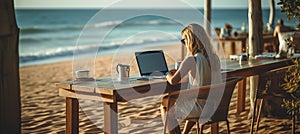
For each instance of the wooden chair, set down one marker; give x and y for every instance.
(283, 40)
(270, 88)
(221, 112)
(269, 42)
(296, 40)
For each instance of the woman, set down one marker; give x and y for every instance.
(200, 65)
(281, 33)
(226, 31)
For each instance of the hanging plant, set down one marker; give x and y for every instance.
(292, 77)
(291, 8)
(291, 86)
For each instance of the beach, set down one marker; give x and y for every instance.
(43, 110)
(49, 40)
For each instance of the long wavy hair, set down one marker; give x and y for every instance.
(197, 41)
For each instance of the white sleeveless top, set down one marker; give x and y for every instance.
(203, 72)
(192, 107)
(282, 37)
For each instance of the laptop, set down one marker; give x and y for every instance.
(152, 64)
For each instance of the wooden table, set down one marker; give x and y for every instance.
(268, 39)
(250, 68)
(112, 93)
(232, 41)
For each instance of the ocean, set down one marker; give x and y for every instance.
(49, 35)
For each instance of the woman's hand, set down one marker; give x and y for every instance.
(171, 72)
(170, 75)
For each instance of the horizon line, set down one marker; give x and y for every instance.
(99, 8)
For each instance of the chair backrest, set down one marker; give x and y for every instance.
(270, 83)
(221, 106)
(282, 38)
(296, 40)
(222, 110)
(271, 90)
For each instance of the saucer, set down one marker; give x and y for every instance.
(85, 79)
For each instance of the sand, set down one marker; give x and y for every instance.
(43, 111)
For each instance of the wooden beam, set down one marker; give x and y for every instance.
(272, 13)
(10, 107)
(255, 27)
(207, 16)
(255, 37)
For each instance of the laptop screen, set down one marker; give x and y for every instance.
(151, 62)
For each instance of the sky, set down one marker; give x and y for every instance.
(134, 3)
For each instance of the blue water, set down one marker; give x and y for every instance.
(51, 35)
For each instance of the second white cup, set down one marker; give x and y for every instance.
(82, 74)
(177, 65)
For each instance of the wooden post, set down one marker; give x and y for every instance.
(255, 27)
(10, 111)
(255, 39)
(272, 13)
(207, 16)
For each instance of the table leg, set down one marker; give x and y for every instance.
(241, 95)
(72, 116)
(223, 45)
(214, 128)
(110, 118)
(244, 47)
(253, 87)
(233, 47)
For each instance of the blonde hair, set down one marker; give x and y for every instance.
(197, 41)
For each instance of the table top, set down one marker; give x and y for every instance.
(255, 66)
(111, 87)
(243, 37)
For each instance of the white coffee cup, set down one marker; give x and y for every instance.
(82, 73)
(123, 72)
(242, 58)
(177, 65)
